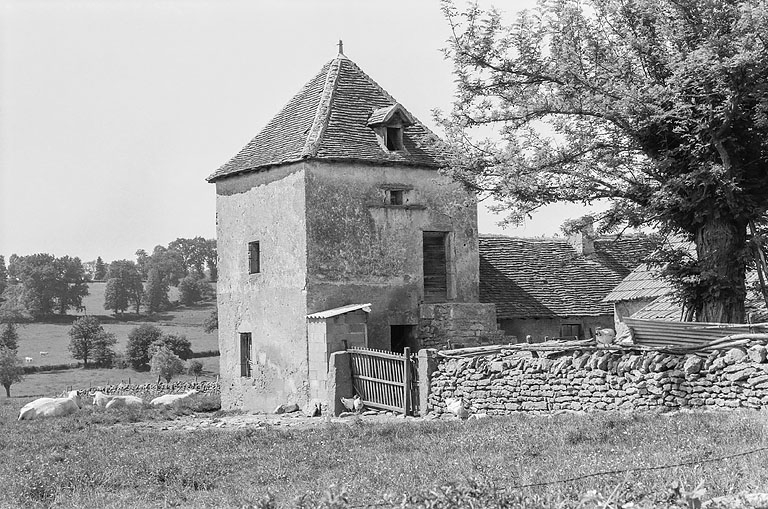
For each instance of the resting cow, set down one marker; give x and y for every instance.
(174, 400)
(51, 407)
(125, 401)
(101, 399)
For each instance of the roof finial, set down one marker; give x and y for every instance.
(341, 48)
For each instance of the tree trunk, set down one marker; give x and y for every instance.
(7, 390)
(721, 249)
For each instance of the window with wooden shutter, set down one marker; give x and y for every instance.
(254, 258)
(245, 354)
(435, 267)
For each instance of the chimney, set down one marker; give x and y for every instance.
(583, 241)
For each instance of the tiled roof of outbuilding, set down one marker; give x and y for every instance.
(642, 283)
(327, 120)
(540, 278)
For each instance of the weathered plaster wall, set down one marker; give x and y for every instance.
(268, 207)
(602, 380)
(538, 328)
(361, 250)
(329, 335)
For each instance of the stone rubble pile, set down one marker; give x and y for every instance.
(598, 379)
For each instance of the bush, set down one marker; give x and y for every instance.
(178, 344)
(211, 323)
(195, 368)
(166, 364)
(190, 290)
(139, 341)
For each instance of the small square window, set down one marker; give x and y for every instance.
(396, 197)
(254, 258)
(570, 330)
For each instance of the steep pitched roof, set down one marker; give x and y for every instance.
(540, 278)
(328, 120)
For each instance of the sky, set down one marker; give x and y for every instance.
(113, 113)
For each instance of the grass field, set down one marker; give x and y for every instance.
(53, 337)
(81, 461)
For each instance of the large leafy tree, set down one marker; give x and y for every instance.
(3, 274)
(658, 106)
(48, 283)
(197, 253)
(100, 270)
(89, 341)
(124, 286)
(72, 285)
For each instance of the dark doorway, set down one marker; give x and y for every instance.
(435, 262)
(402, 336)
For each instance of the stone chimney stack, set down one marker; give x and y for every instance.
(583, 241)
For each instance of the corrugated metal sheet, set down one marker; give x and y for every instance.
(678, 334)
(340, 311)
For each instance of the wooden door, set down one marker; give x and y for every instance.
(435, 267)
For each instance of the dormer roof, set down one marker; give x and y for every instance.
(389, 114)
(332, 119)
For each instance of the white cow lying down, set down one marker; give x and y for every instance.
(51, 407)
(174, 400)
(125, 401)
(107, 401)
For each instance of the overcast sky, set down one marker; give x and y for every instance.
(113, 113)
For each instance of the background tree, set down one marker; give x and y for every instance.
(211, 259)
(195, 368)
(72, 285)
(124, 286)
(89, 340)
(156, 291)
(142, 263)
(38, 277)
(166, 364)
(170, 264)
(190, 289)
(211, 323)
(177, 343)
(9, 337)
(100, 271)
(11, 371)
(3, 275)
(658, 106)
(139, 340)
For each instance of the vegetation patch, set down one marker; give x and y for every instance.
(100, 458)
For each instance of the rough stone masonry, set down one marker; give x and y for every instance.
(596, 379)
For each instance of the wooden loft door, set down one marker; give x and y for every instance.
(435, 267)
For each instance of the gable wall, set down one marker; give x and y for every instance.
(361, 251)
(266, 206)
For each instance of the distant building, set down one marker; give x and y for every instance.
(335, 229)
(555, 287)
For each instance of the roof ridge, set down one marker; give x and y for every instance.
(323, 113)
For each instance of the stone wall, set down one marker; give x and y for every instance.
(459, 325)
(154, 390)
(597, 379)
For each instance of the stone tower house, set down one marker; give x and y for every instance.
(335, 228)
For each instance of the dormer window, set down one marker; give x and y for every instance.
(388, 124)
(394, 138)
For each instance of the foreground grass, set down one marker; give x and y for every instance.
(83, 460)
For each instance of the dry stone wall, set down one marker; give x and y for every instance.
(599, 379)
(154, 390)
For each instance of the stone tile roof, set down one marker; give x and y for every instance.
(529, 278)
(327, 120)
(641, 283)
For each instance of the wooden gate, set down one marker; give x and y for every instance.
(386, 380)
